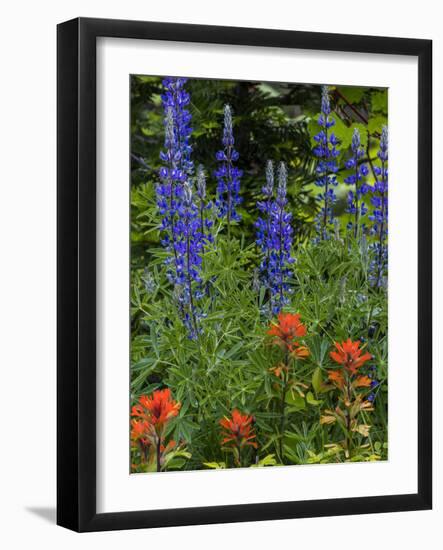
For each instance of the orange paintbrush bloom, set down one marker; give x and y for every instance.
(238, 430)
(161, 407)
(299, 351)
(168, 447)
(280, 370)
(288, 328)
(140, 431)
(362, 382)
(151, 414)
(336, 377)
(156, 409)
(349, 355)
(140, 436)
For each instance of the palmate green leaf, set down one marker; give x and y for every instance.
(185, 429)
(137, 382)
(144, 363)
(318, 347)
(234, 350)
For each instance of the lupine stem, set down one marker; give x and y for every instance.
(172, 216)
(229, 183)
(189, 281)
(360, 171)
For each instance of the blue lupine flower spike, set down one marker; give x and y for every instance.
(227, 174)
(181, 226)
(356, 205)
(326, 150)
(204, 206)
(263, 223)
(379, 264)
(274, 238)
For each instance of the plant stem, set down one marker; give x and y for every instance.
(282, 404)
(202, 219)
(158, 454)
(229, 185)
(191, 300)
(348, 417)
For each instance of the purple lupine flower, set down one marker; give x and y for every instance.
(326, 151)
(177, 168)
(189, 247)
(356, 206)
(169, 192)
(263, 223)
(379, 217)
(374, 384)
(205, 206)
(176, 98)
(182, 232)
(278, 245)
(227, 174)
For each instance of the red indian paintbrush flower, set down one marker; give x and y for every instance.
(337, 378)
(288, 328)
(141, 435)
(156, 409)
(150, 416)
(238, 430)
(349, 355)
(140, 431)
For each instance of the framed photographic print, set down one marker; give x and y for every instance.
(244, 274)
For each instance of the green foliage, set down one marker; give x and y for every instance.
(229, 365)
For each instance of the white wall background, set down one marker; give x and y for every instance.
(27, 271)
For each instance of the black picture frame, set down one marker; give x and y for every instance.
(76, 265)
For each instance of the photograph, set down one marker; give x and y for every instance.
(259, 274)
(239, 323)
